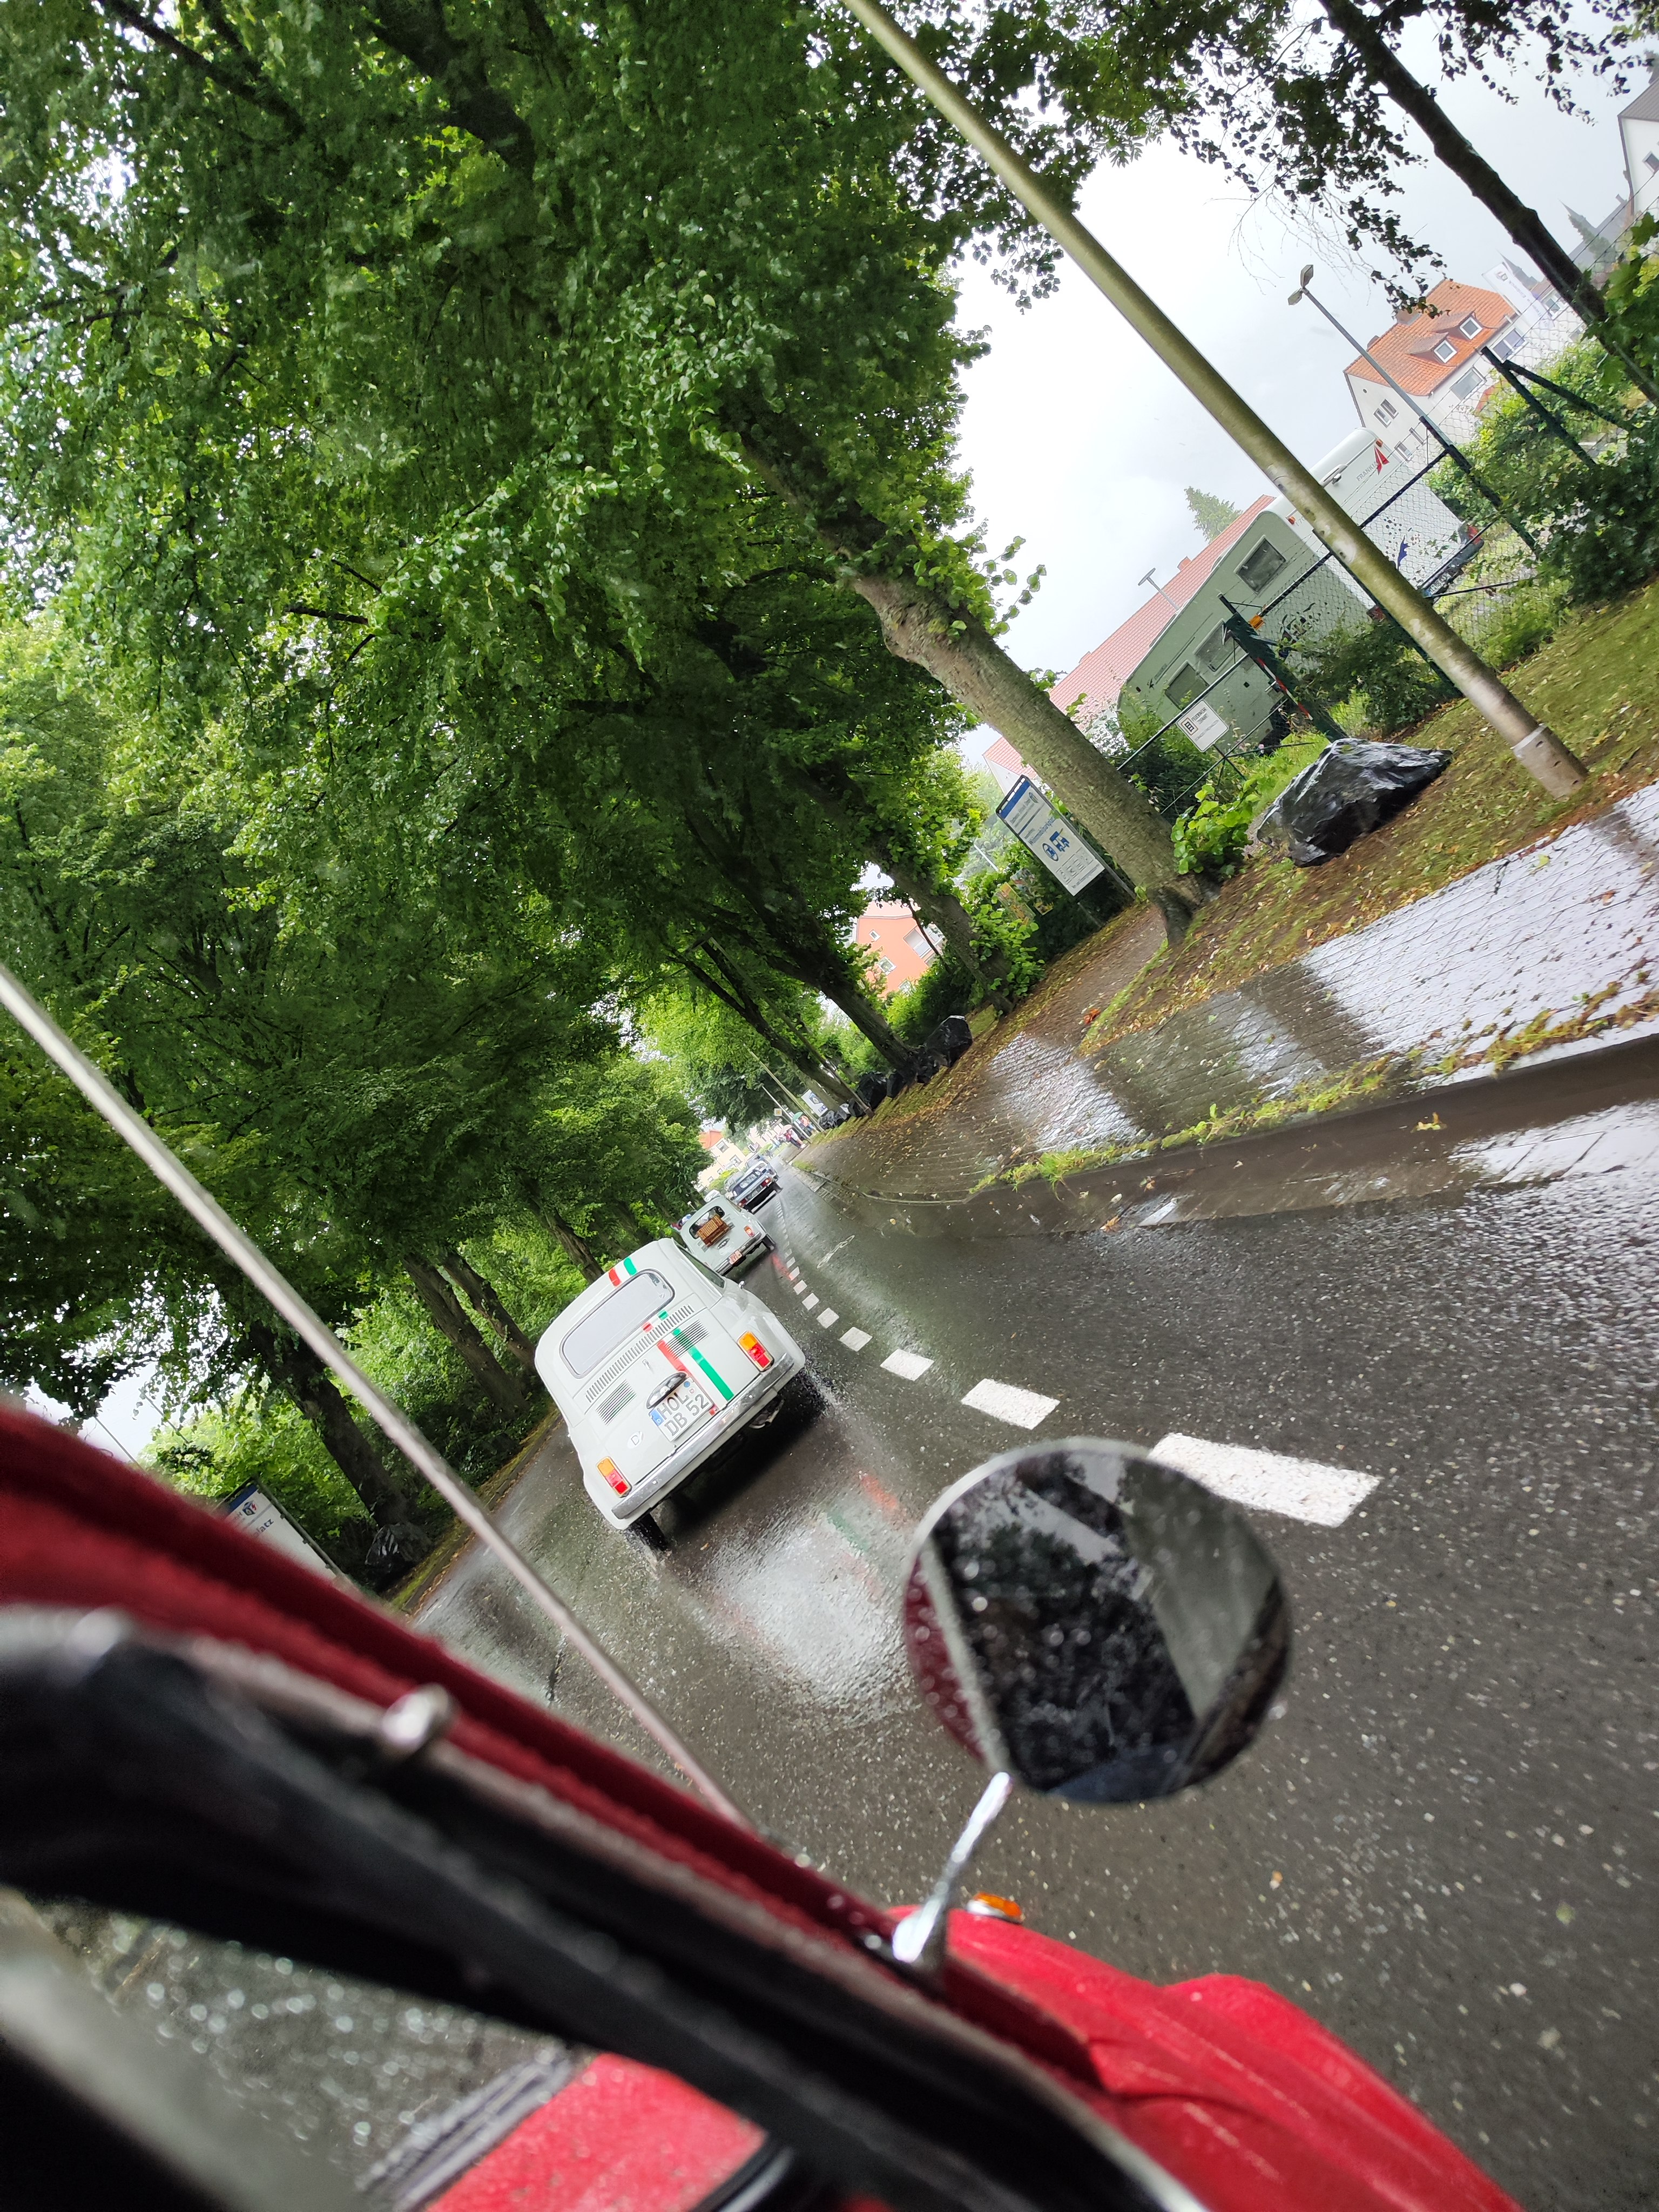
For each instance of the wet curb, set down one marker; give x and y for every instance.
(1407, 1146)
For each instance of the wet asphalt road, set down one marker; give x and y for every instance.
(1447, 1847)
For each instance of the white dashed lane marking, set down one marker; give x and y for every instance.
(1004, 1402)
(829, 1318)
(910, 1365)
(800, 1289)
(1300, 1489)
(856, 1339)
(811, 1300)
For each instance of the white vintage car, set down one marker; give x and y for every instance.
(654, 1368)
(723, 1234)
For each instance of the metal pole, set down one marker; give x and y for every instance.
(166, 1166)
(1454, 453)
(1538, 749)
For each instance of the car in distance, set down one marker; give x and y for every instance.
(754, 1182)
(655, 1368)
(723, 1234)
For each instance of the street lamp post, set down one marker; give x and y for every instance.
(1454, 453)
(1158, 588)
(1537, 749)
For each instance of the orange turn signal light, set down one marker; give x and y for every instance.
(757, 1351)
(614, 1475)
(986, 1906)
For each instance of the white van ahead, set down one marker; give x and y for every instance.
(723, 1234)
(654, 1368)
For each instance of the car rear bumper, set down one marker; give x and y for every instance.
(728, 1423)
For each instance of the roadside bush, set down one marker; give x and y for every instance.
(1169, 769)
(946, 988)
(1516, 623)
(1210, 838)
(1597, 515)
(1376, 670)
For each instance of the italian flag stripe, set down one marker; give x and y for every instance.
(693, 1352)
(629, 1268)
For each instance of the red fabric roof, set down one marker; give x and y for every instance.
(1101, 675)
(1406, 350)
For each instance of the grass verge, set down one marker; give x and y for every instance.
(457, 1536)
(1596, 685)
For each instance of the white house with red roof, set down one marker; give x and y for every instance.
(1437, 358)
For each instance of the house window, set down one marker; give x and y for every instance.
(1261, 565)
(1402, 452)
(1472, 327)
(884, 965)
(1469, 383)
(1445, 350)
(918, 944)
(1653, 160)
(1387, 411)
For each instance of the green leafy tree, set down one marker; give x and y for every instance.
(461, 342)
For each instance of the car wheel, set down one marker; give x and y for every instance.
(648, 1529)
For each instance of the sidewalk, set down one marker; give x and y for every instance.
(1543, 954)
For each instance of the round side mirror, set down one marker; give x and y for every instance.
(1094, 1623)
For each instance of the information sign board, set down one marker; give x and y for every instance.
(1203, 726)
(256, 1515)
(1050, 836)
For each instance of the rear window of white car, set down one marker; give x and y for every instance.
(612, 1322)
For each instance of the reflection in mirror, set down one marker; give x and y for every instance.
(1094, 1623)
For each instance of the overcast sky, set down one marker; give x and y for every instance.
(1081, 442)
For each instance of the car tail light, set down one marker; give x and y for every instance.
(614, 1475)
(757, 1351)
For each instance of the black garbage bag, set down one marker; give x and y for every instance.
(949, 1040)
(1352, 787)
(872, 1090)
(394, 1551)
(899, 1078)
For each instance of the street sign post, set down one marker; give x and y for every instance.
(1060, 848)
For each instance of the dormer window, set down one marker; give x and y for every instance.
(1445, 350)
(1471, 326)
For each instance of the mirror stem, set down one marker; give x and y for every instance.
(918, 1940)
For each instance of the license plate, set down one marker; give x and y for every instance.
(678, 1416)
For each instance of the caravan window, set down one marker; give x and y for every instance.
(1184, 686)
(1217, 648)
(1260, 566)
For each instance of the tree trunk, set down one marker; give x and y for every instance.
(864, 1015)
(504, 1391)
(301, 1376)
(941, 908)
(935, 904)
(1577, 286)
(960, 653)
(727, 987)
(486, 1299)
(574, 1246)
